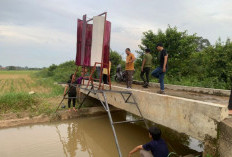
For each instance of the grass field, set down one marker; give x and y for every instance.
(14, 93)
(21, 81)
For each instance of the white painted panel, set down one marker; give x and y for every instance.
(97, 39)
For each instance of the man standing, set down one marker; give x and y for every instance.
(129, 67)
(160, 71)
(145, 68)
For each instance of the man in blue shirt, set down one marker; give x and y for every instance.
(155, 148)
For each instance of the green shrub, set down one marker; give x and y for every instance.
(17, 102)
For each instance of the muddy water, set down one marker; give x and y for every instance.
(83, 137)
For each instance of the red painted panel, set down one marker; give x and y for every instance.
(88, 43)
(79, 39)
(106, 43)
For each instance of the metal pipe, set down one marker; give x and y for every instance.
(97, 15)
(130, 121)
(112, 125)
(140, 111)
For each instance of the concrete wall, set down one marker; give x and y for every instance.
(225, 138)
(195, 118)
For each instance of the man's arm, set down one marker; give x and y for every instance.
(135, 150)
(144, 61)
(165, 63)
(65, 89)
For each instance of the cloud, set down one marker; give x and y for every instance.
(38, 33)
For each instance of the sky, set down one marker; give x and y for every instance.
(38, 33)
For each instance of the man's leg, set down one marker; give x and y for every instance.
(69, 103)
(130, 74)
(147, 71)
(144, 153)
(74, 104)
(142, 75)
(230, 101)
(127, 78)
(105, 79)
(161, 79)
(156, 72)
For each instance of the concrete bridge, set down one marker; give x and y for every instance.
(196, 112)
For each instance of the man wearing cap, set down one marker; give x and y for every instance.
(160, 71)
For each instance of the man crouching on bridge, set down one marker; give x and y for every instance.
(157, 147)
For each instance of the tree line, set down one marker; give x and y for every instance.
(192, 61)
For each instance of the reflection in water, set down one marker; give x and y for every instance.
(82, 137)
(74, 141)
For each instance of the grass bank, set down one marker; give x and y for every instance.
(14, 93)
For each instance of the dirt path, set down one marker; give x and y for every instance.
(183, 94)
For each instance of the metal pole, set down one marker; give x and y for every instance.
(83, 100)
(112, 125)
(140, 111)
(60, 104)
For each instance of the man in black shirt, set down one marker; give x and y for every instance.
(160, 71)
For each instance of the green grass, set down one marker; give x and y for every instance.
(18, 71)
(12, 100)
(15, 102)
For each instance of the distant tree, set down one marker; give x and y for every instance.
(51, 69)
(11, 68)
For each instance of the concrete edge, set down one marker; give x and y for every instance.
(210, 91)
(170, 96)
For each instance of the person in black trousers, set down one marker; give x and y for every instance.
(145, 68)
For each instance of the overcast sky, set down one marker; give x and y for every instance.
(38, 33)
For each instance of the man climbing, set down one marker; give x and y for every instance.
(160, 71)
(129, 67)
(156, 147)
(145, 68)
